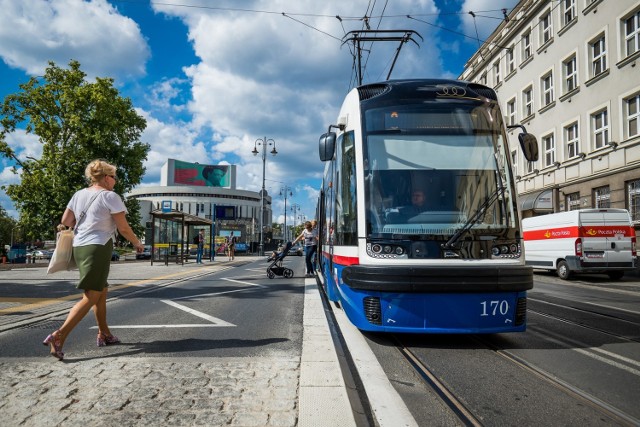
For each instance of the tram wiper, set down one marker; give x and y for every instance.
(474, 218)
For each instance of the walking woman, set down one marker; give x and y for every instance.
(96, 213)
(310, 242)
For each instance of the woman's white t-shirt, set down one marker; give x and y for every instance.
(309, 237)
(98, 225)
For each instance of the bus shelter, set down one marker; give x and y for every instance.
(173, 235)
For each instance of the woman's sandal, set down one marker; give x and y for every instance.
(104, 339)
(53, 341)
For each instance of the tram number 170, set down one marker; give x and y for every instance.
(492, 308)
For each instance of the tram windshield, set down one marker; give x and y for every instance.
(430, 169)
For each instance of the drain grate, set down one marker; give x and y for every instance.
(48, 324)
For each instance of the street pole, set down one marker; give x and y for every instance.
(263, 142)
(295, 208)
(286, 189)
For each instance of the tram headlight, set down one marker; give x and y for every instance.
(387, 249)
(399, 250)
(506, 250)
(376, 249)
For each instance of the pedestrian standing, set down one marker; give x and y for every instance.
(96, 213)
(200, 251)
(231, 245)
(310, 243)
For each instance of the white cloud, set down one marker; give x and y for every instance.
(256, 75)
(169, 141)
(33, 32)
(24, 144)
(265, 75)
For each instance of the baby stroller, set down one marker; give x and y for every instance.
(276, 268)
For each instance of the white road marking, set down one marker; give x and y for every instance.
(215, 320)
(222, 292)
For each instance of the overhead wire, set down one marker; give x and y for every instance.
(366, 19)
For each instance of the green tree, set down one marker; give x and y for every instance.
(76, 121)
(7, 225)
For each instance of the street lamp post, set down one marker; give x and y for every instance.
(264, 143)
(286, 190)
(295, 208)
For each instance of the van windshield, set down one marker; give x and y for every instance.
(429, 169)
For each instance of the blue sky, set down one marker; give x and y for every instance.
(212, 76)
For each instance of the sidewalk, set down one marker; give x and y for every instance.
(128, 391)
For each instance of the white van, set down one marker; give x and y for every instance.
(581, 241)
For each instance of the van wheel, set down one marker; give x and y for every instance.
(615, 275)
(563, 270)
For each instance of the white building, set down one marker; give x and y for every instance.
(569, 71)
(205, 191)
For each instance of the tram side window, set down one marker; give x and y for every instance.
(329, 231)
(346, 213)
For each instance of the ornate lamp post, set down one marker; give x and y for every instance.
(295, 208)
(264, 143)
(286, 191)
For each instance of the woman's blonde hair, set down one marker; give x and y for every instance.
(307, 224)
(98, 169)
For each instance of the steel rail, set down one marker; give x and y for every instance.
(447, 397)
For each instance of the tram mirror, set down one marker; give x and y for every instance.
(327, 146)
(529, 145)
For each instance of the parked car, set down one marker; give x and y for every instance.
(241, 248)
(115, 256)
(296, 249)
(42, 254)
(145, 254)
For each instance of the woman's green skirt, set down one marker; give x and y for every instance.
(94, 262)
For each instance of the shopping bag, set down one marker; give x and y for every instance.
(62, 258)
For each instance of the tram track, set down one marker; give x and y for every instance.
(449, 399)
(634, 326)
(466, 414)
(599, 405)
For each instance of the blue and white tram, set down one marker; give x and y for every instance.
(453, 264)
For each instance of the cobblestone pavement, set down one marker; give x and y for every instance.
(139, 391)
(150, 391)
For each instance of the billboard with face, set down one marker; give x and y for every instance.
(201, 175)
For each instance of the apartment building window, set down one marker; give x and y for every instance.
(632, 33)
(598, 56)
(600, 126)
(527, 102)
(511, 61)
(573, 201)
(602, 197)
(571, 140)
(496, 73)
(549, 144)
(633, 195)
(483, 79)
(546, 82)
(530, 166)
(511, 112)
(568, 11)
(632, 115)
(526, 46)
(570, 74)
(545, 28)
(514, 161)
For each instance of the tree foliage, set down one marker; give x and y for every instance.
(7, 225)
(76, 121)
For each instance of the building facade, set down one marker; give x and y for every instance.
(569, 71)
(201, 190)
